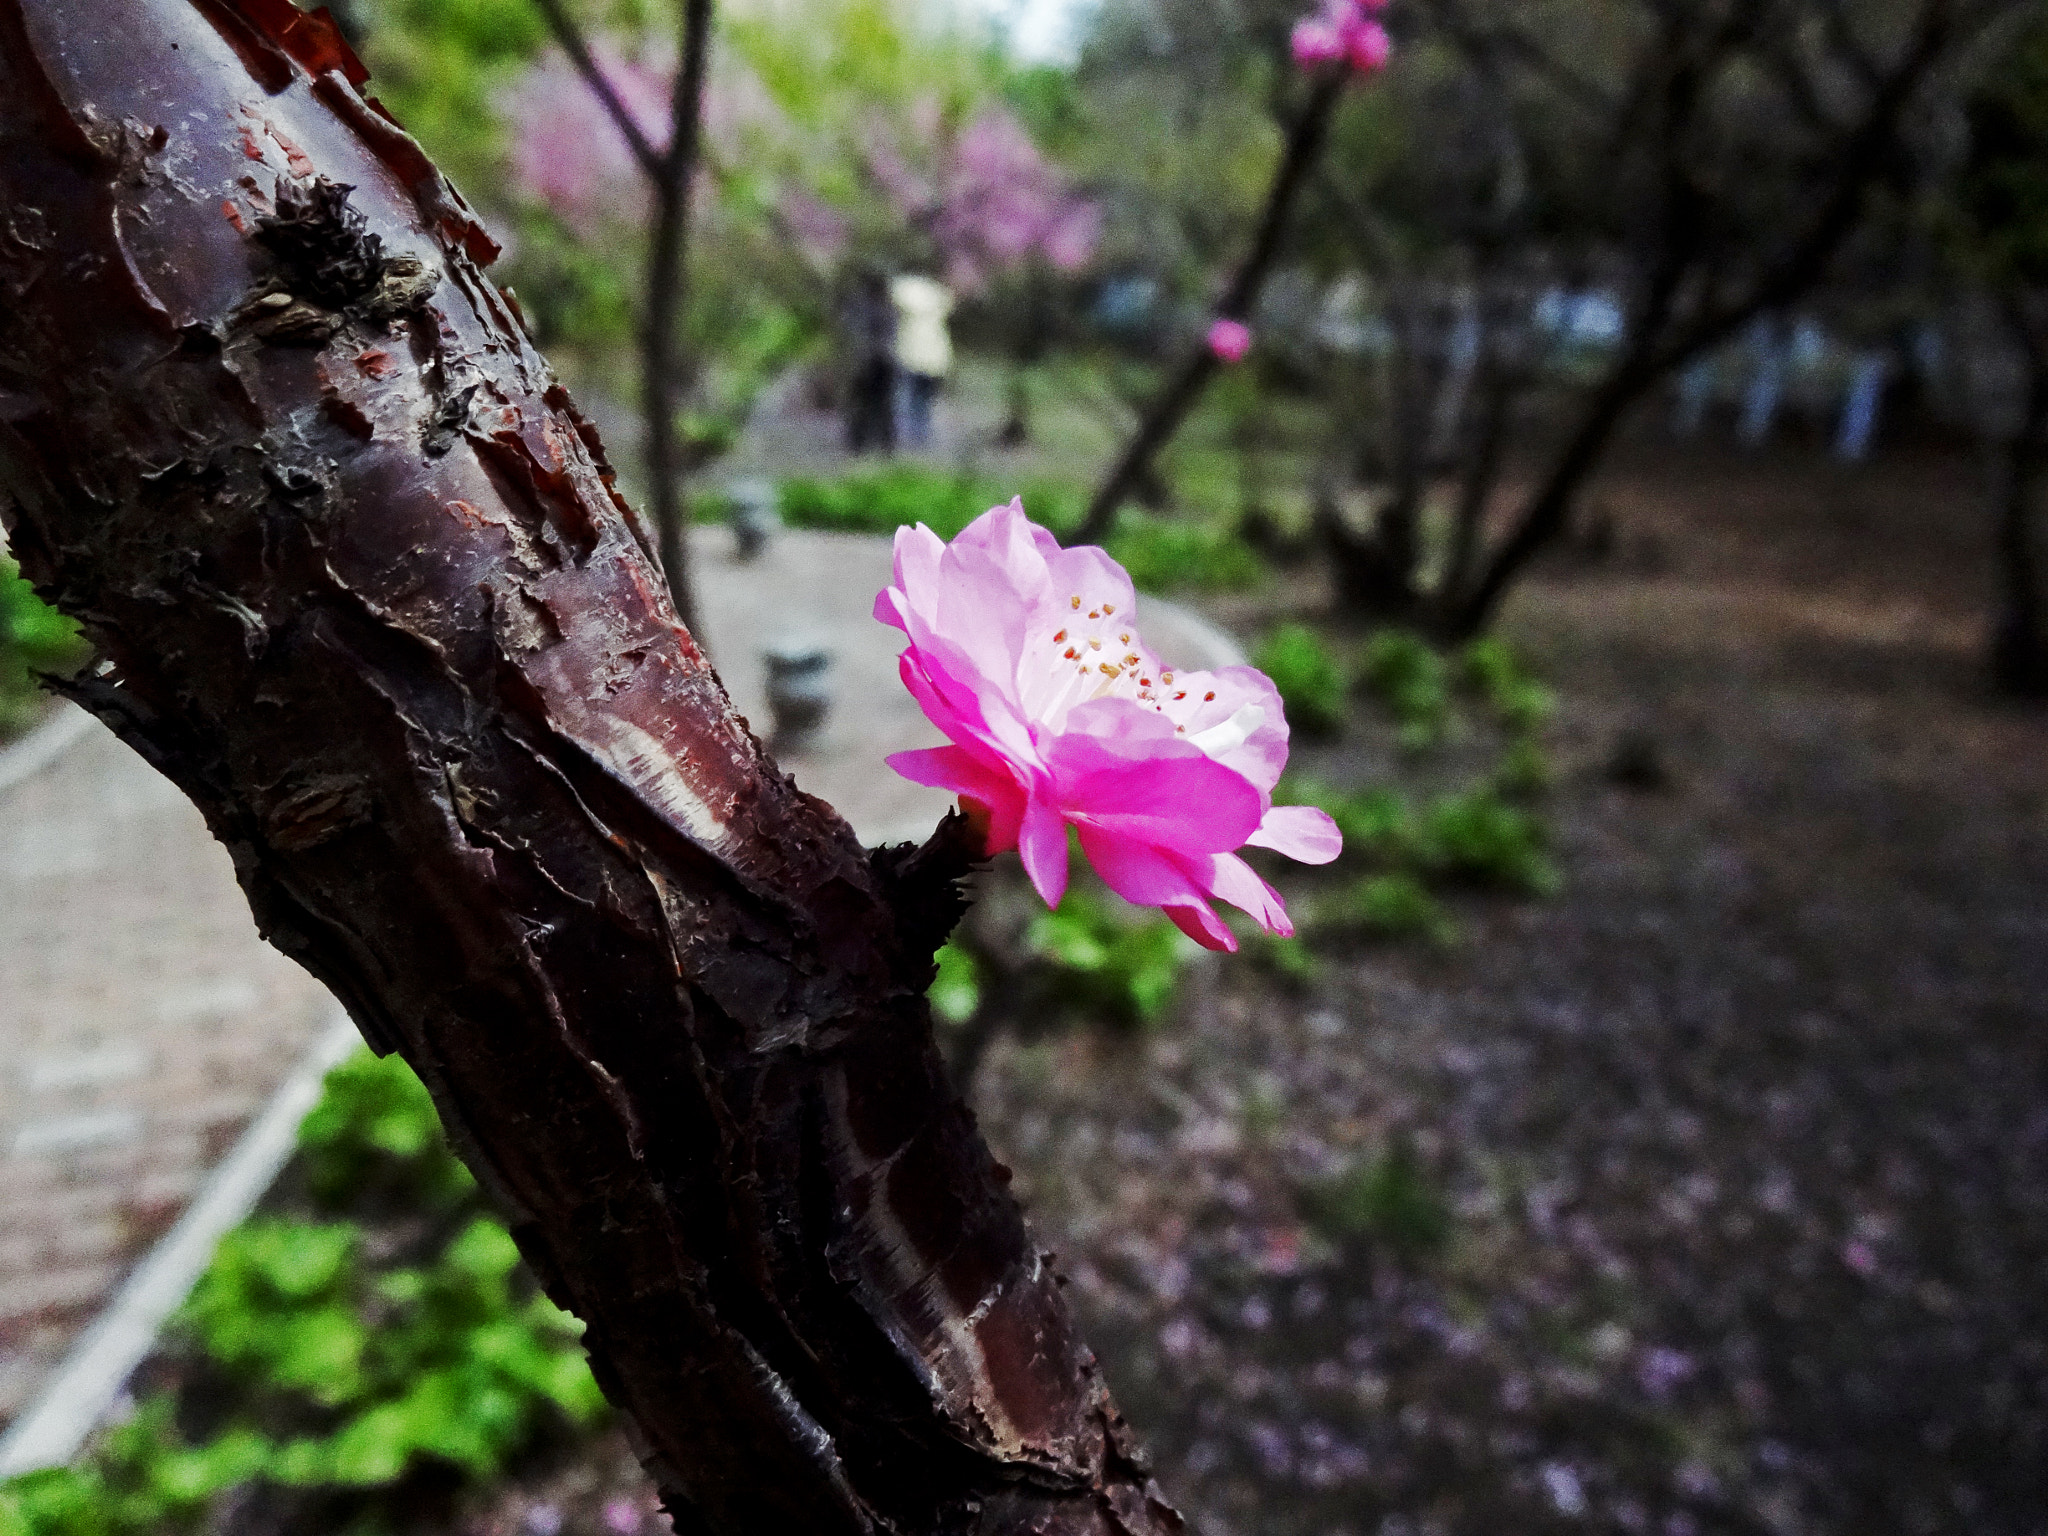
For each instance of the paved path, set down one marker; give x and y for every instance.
(142, 1022)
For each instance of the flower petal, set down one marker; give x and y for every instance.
(966, 774)
(1157, 791)
(1230, 879)
(1042, 844)
(1203, 926)
(1148, 877)
(1300, 832)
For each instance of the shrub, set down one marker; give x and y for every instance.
(1310, 682)
(1388, 1199)
(34, 638)
(1407, 675)
(905, 493)
(1096, 955)
(1517, 699)
(336, 1371)
(1168, 555)
(1479, 838)
(955, 992)
(1395, 906)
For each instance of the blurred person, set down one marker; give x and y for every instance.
(923, 354)
(871, 339)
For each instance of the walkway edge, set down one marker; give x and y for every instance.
(82, 1389)
(43, 745)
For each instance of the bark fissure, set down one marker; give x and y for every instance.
(364, 588)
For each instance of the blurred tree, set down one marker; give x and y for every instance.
(667, 160)
(1571, 196)
(2003, 224)
(1601, 214)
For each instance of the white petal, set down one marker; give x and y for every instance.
(1230, 734)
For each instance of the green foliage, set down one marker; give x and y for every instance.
(375, 1133)
(33, 638)
(903, 493)
(1102, 960)
(1519, 702)
(1177, 554)
(1311, 684)
(1478, 838)
(1395, 906)
(437, 64)
(338, 1372)
(1409, 676)
(955, 992)
(1387, 1199)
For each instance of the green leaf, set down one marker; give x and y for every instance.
(955, 992)
(1310, 682)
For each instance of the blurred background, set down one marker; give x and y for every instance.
(1618, 426)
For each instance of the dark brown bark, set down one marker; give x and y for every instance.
(1163, 417)
(364, 591)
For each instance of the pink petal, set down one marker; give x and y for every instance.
(1166, 794)
(968, 707)
(1204, 927)
(1315, 42)
(1369, 46)
(1087, 573)
(1230, 340)
(1147, 877)
(1300, 832)
(1042, 844)
(1231, 879)
(1263, 754)
(967, 775)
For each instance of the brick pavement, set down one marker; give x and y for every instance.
(142, 1022)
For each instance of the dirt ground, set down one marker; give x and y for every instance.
(1743, 1137)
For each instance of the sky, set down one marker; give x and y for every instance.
(1041, 31)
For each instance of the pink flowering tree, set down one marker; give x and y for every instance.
(981, 200)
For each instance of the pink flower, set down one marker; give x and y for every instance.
(1230, 340)
(1343, 29)
(1316, 43)
(1368, 45)
(1027, 656)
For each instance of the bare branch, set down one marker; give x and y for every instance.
(570, 37)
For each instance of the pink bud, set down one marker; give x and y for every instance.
(1316, 43)
(1367, 44)
(1230, 340)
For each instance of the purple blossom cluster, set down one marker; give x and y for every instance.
(987, 197)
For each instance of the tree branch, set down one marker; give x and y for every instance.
(1171, 406)
(268, 430)
(571, 41)
(661, 372)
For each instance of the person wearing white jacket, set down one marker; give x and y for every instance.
(924, 353)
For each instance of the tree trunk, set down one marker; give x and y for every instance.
(2019, 636)
(363, 589)
(661, 371)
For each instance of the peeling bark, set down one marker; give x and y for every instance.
(364, 590)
